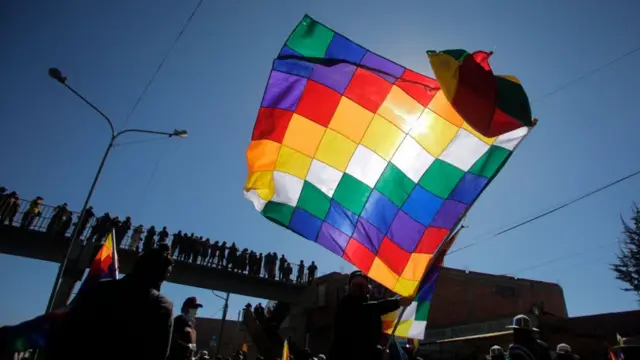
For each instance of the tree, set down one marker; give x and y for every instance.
(627, 269)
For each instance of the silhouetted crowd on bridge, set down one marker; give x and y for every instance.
(186, 247)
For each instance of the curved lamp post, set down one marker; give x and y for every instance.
(57, 75)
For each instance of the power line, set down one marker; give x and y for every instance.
(586, 75)
(155, 74)
(549, 212)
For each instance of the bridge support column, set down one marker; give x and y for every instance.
(73, 273)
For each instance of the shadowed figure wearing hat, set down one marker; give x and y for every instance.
(525, 345)
(496, 353)
(120, 319)
(183, 341)
(563, 352)
(358, 323)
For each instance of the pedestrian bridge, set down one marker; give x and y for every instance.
(39, 245)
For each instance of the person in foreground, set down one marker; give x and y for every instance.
(358, 323)
(183, 339)
(121, 319)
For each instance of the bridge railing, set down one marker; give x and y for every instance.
(41, 223)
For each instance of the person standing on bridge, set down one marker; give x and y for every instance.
(32, 213)
(183, 340)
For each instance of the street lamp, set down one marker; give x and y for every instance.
(57, 75)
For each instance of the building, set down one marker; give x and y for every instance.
(235, 335)
(465, 304)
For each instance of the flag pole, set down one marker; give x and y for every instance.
(443, 247)
(451, 235)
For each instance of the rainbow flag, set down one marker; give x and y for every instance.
(104, 266)
(285, 351)
(413, 323)
(365, 157)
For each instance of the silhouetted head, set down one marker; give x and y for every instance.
(153, 266)
(190, 307)
(359, 284)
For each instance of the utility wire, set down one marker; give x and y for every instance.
(549, 212)
(586, 75)
(155, 74)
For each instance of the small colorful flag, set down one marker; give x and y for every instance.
(365, 157)
(285, 351)
(104, 266)
(413, 323)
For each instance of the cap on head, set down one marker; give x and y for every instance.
(522, 322)
(191, 303)
(495, 350)
(563, 349)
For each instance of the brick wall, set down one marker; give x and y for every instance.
(235, 334)
(464, 297)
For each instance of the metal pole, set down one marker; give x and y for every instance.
(76, 235)
(222, 323)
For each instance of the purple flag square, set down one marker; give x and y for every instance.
(406, 232)
(336, 77)
(377, 62)
(283, 91)
(368, 235)
(448, 214)
(332, 239)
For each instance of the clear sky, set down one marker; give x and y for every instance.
(212, 85)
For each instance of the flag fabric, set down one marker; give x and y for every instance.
(285, 351)
(365, 157)
(413, 323)
(104, 266)
(492, 105)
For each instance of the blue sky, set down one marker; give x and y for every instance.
(212, 85)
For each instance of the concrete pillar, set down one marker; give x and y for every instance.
(73, 273)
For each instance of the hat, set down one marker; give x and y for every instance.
(522, 322)
(495, 350)
(356, 274)
(191, 302)
(563, 349)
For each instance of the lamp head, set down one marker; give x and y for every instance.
(180, 133)
(56, 74)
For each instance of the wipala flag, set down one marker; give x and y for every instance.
(370, 159)
(414, 319)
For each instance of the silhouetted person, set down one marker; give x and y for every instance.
(300, 274)
(136, 236)
(149, 239)
(56, 219)
(175, 242)
(163, 236)
(122, 230)
(358, 322)
(525, 345)
(123, 319)
(183, 341)
(282, 264)
(9, 208)
(86, 219)
(33, 212)
(100, 228)
(222, 253)
(311, 271)
(496, 353)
